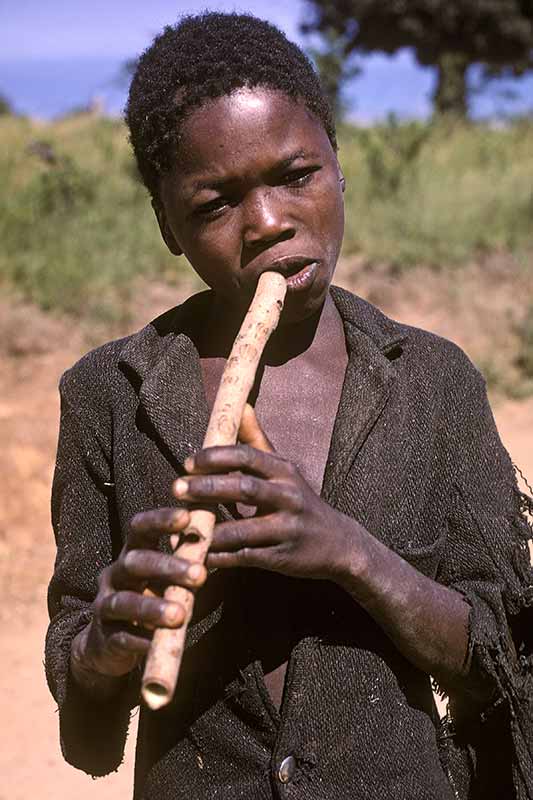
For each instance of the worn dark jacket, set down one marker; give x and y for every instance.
(416, 459)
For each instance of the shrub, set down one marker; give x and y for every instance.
(76, 227)
(437, 195)
(77, 230)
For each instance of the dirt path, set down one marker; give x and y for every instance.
(30, 761)
(32, 359)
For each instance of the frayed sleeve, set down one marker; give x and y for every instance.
(92, 732)
(487, 561)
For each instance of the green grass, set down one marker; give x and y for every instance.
(77, 235)
(438, 195)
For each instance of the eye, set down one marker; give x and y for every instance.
(213, 208)
(297, 178)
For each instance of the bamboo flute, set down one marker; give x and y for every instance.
(166, 650)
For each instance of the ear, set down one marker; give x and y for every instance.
(166, 232)
(342, 179)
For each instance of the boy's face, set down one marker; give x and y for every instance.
(257, 185)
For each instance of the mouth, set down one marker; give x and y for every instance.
(298, 271)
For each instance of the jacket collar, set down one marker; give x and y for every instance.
(373, 342)
(164, 363)
(166, 367)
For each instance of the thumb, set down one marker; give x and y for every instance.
(250, 431)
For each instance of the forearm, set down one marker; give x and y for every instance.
(427, 622)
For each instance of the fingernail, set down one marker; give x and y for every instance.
(173, 613)
(195, 572)
(189, 464)
(180, 487)
(177, 520)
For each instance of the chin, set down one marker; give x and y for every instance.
(298, 308)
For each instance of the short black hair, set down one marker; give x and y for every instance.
(203, 57)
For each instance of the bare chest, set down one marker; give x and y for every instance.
(296, 405)
(297, 410)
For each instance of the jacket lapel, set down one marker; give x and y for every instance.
(174, 401)
(167, 369)
(367, 386)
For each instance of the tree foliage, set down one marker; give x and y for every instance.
(5, 106)
(336, 66)
(448, 34)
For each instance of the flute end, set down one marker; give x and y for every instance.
(155, 695)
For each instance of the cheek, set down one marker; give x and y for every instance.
(214, 254)
(329, 221)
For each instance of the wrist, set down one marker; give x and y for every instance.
(354, 563)
(374, 574)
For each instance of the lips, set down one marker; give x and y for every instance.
(299, 271)
(289, 265)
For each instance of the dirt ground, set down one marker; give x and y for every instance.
(34, 351)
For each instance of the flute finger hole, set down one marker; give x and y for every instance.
(191, 537)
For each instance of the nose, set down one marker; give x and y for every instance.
(266, 219)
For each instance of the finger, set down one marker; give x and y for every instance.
(258, 557)
(256, 532)
(251, 432)
(238, 488)
(140, 567)
(147, 527)
(145, 610)
(105, 583)
(242, 458)
(124, 641)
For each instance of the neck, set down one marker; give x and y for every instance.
(288, 341)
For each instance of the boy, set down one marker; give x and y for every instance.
(369, 531)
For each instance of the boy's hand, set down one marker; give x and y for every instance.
(124, 613)
(294, 531)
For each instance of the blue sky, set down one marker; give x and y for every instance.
(48, 29)
(56, 54)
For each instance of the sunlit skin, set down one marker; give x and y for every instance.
(257, 182)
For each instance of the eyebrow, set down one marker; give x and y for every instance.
(284, 163)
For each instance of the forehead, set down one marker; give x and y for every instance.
(249, 125)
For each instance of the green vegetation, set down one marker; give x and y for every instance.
(77, 230)
(76, 226)
(5, 106)
(440, 194)
(449, 35)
